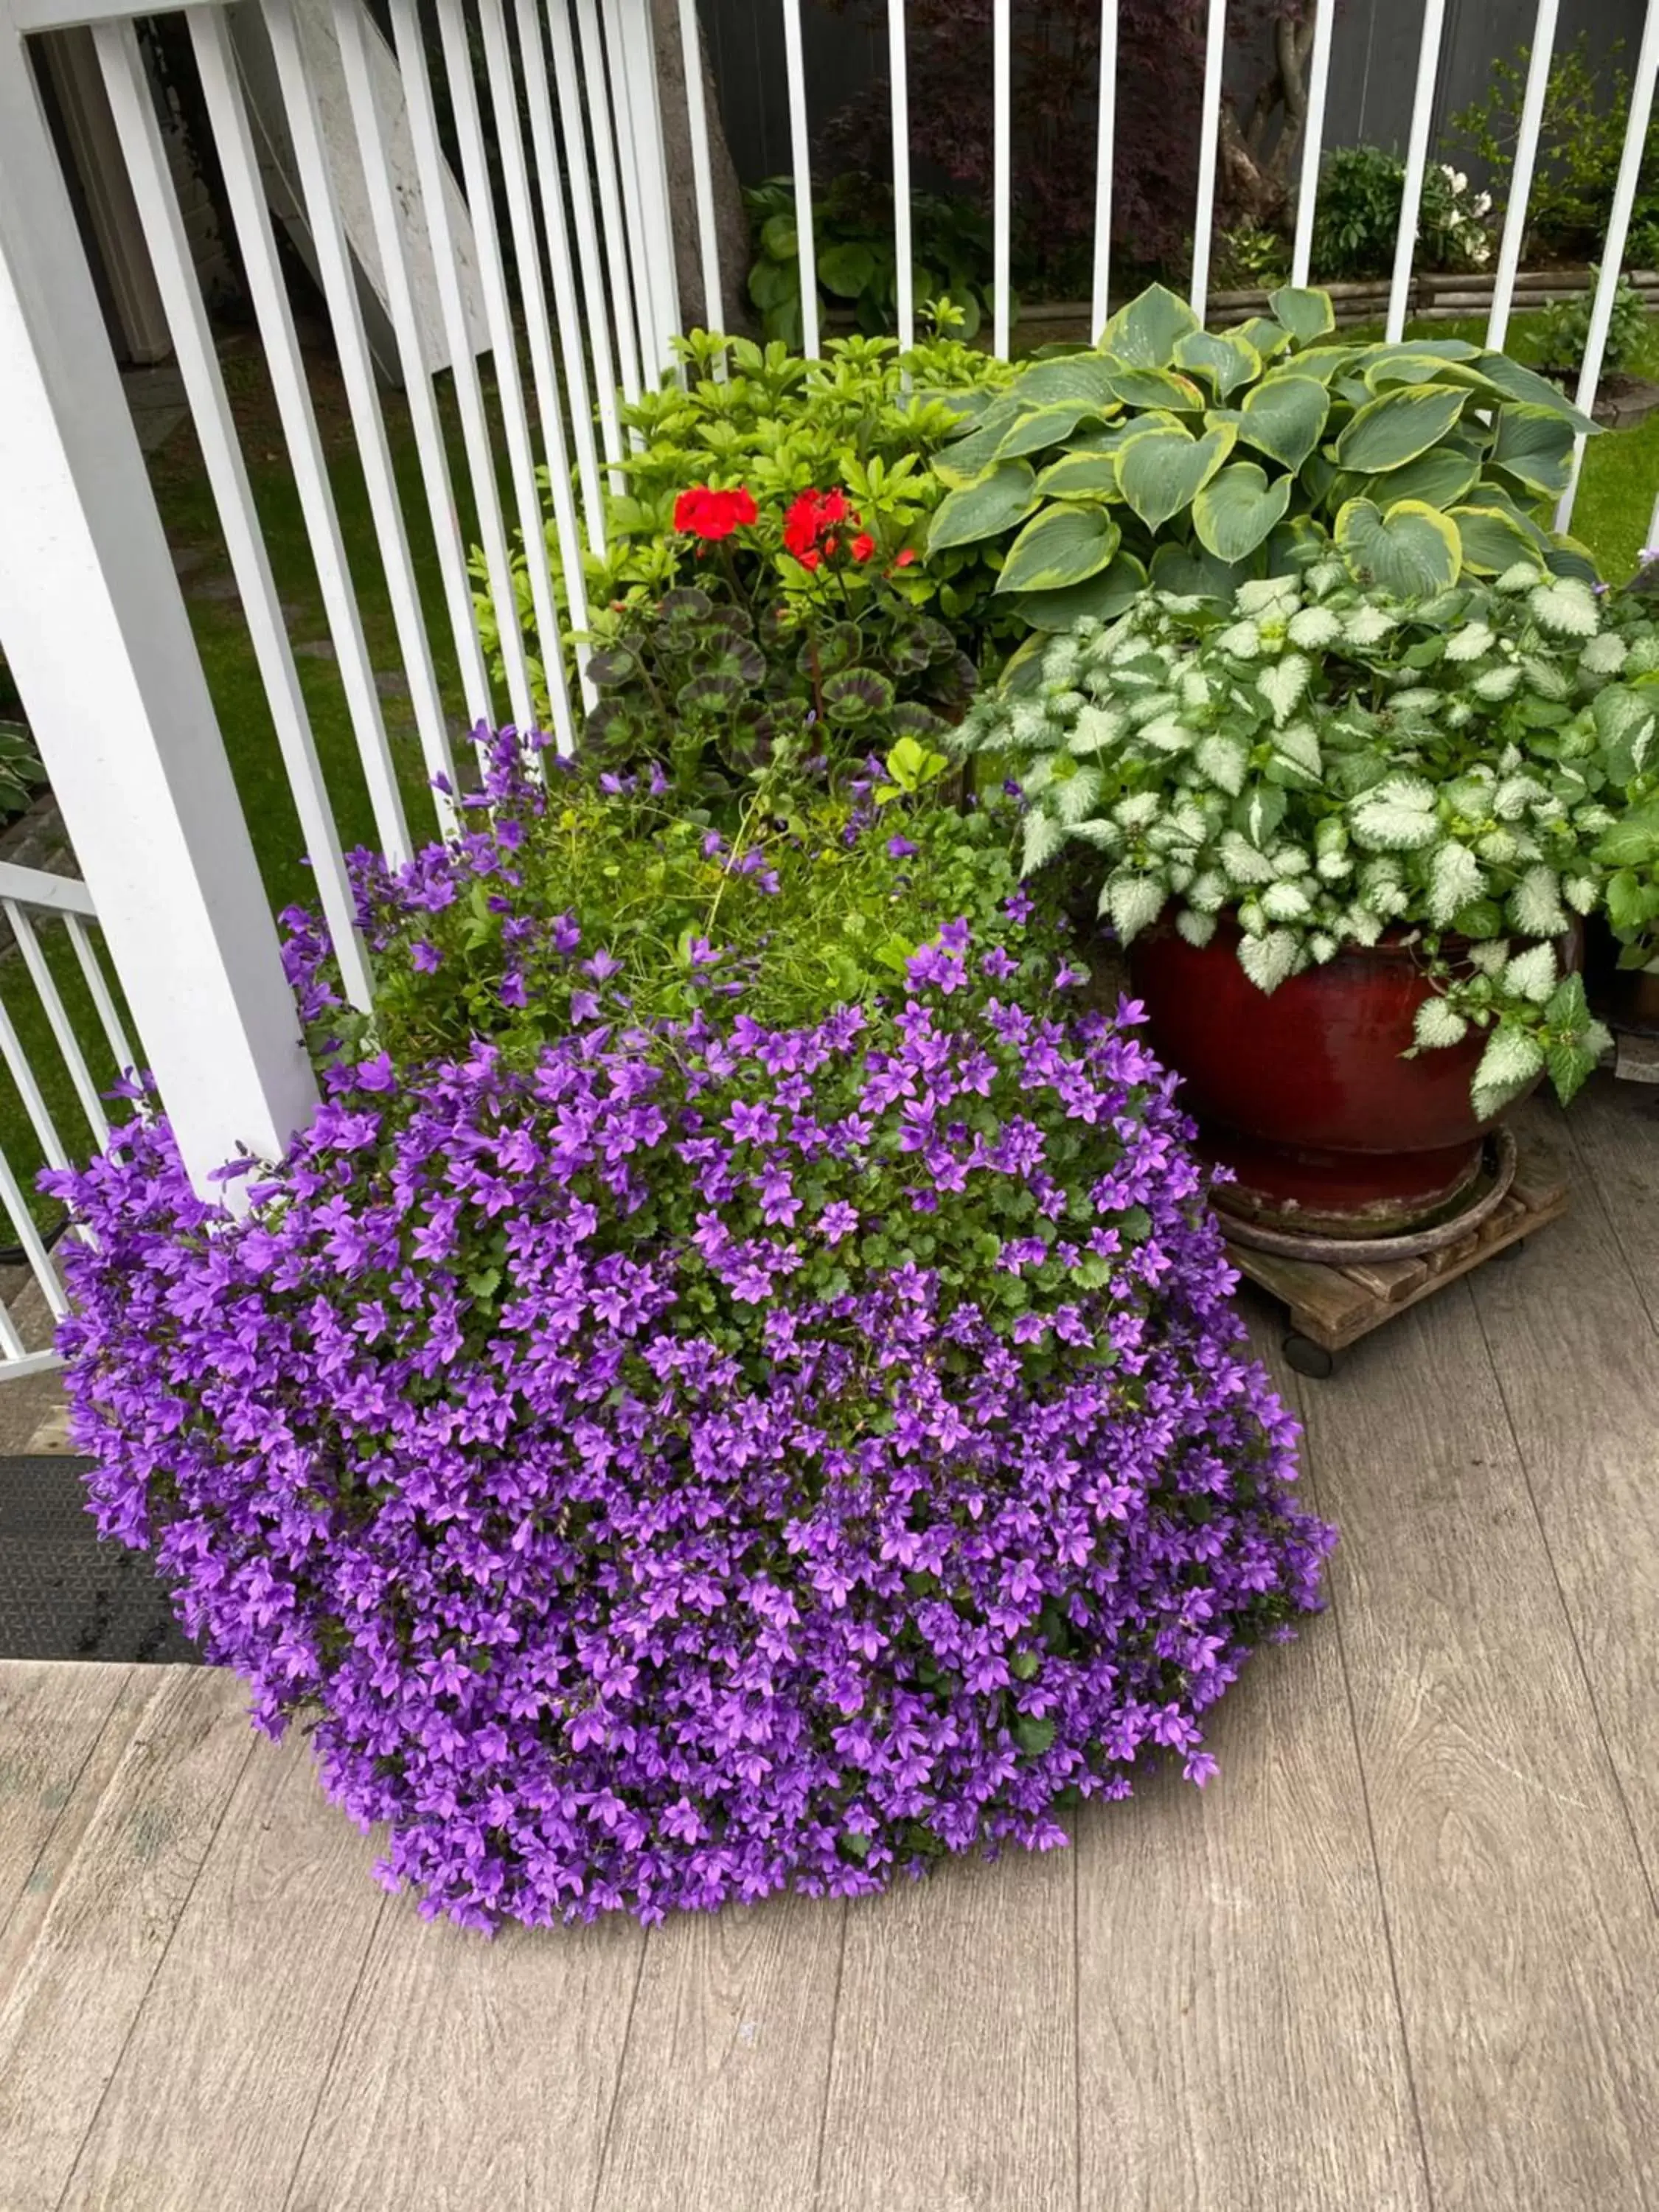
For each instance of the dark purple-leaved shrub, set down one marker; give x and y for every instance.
(697, 1458)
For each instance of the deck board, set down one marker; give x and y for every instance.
(472, 2073)
(208, 2105)
(75, 1997)
(723, 2087)
(1239, 2040)
(1522, 1931)
(1580, 1378)
(953, 2082)
(1401, 1955)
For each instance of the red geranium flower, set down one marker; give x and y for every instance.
(863, 546)
(906, 557)
(801, 525)
(702, 511)
(810, 526)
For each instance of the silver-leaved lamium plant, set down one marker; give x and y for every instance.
(1319, 763)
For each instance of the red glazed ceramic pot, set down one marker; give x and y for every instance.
(1302, 1091)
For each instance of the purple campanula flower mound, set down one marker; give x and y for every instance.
(704, 1459)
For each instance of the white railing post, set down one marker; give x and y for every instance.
(1416, 161)
(1526, 154)
(96, 630)
(1001, 177)
(800, 155)
(1209, 147)
(1313, 141)
(1105, 131)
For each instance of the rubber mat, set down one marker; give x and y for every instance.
(63, 1594)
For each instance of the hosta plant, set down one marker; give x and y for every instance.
(1323, 763)
(1200, 459)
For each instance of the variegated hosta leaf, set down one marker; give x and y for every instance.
(1532, 973)
(1269, 961)
(1224, 760)
(1470, 642)
(1564, 606)
(1535, 903)
(1398, 817)
(1455, 880)
(1044, 839)
(1284, 684)
(1513, 1057)
(1197, 928)
(1439, 1024)
(1132, 901)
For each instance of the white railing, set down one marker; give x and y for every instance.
(520, 303)
(30, 899)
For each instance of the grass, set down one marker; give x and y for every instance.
(1620, 475)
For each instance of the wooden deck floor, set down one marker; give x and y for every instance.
(1403, 1957)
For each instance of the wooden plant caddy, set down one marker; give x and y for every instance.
(1332, 1304)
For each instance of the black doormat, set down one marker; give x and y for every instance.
(63, 1594)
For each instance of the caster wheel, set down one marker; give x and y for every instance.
(1308, 1358)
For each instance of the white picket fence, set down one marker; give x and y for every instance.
(564, 260)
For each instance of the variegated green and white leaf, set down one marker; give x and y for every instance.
(1455, 880)
(1074, 798)
(1299, 744)
(1269, 961)
(1564, 606)
(1101, 833)
(1133, 902)
(1313, 628)
(1535, 903)
(1044, 838)
(1197, 928)
(1283, 685)
(1439, 1024)
(1366, 626)
(1604, 655)
(1514, 1058)
(1470, 642)
(1496, 684)
(1398, 817)
(1242, 861)
(1582, 893)
(1139, 809)
(1224, 760)
(1286, 902)
(1532, 973)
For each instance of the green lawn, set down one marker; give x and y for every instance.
(1620, 477)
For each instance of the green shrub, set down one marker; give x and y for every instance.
(1580, 143)
(864, 418)
(1357, 224)
(856, 257)
(1324, 763)
(1201, 459)
(1564, 327)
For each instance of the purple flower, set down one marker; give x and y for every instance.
(900, 848)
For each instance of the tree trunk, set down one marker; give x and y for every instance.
(730, 217)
